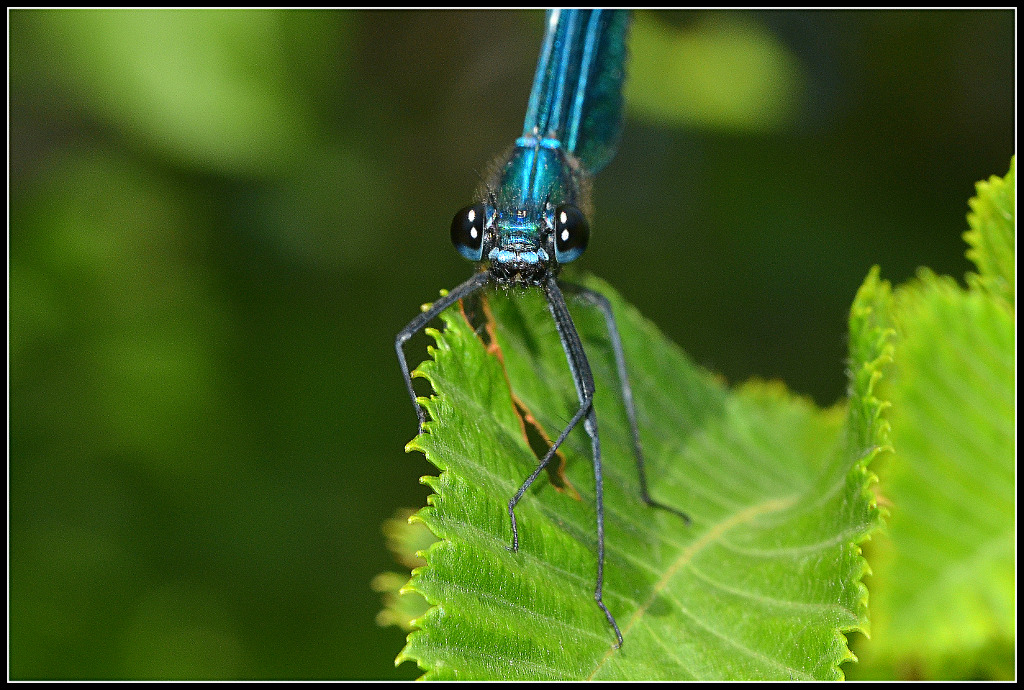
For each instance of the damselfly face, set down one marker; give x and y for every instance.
(524, 240)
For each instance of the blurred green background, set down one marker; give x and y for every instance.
(220, 219)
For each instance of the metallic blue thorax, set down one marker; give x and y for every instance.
(535, 178)
(572, 127)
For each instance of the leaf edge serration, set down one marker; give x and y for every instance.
(867, 427)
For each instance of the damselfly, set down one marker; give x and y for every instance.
(532, 217)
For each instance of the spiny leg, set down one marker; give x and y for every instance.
(462, 290)
(591, 426)
(585, 406)
(583, 379)
(602, 303)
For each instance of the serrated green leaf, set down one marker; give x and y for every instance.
(943, 593)
(407, 538)
(991, 237)
(762, 585)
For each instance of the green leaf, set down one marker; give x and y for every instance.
(407, 538)
(943, 603)
(991, 235)
(763, 584)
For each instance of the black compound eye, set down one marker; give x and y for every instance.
(572, 232)
(468, 231)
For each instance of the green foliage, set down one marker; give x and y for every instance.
(762, 585)
(992, 221)
(205, 409)
(211, 88)
(768, 578)
(406, 538)
(943, 603)
(723, 72)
